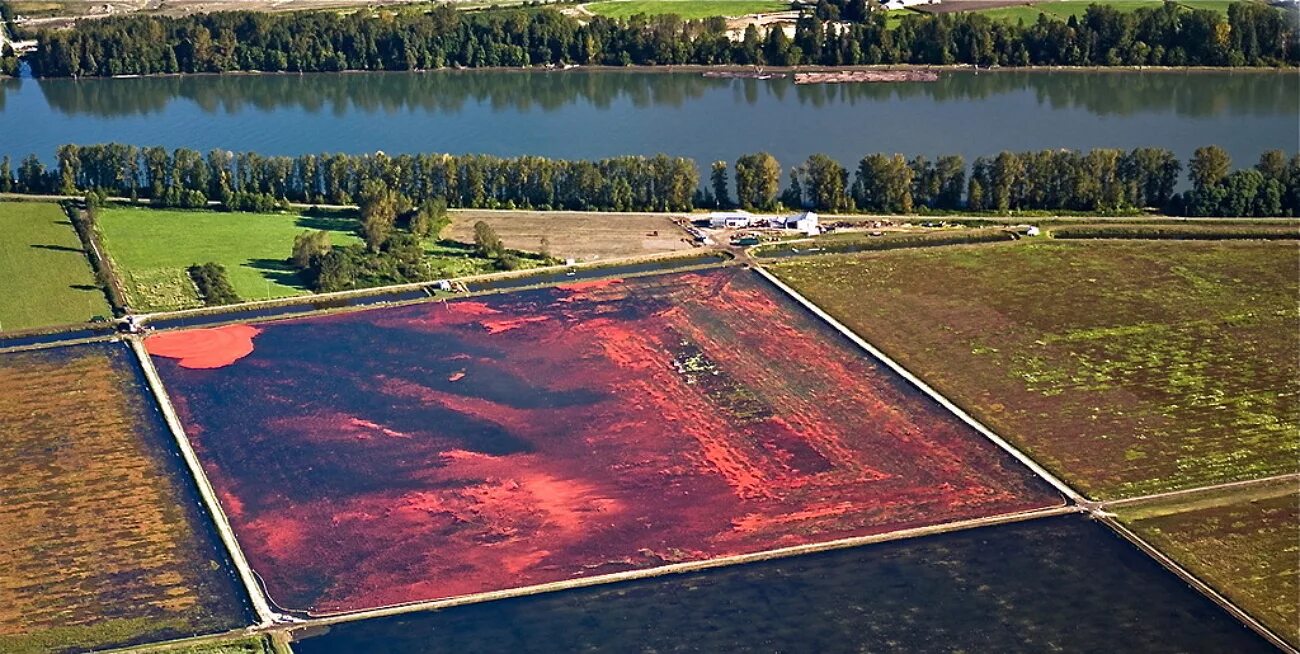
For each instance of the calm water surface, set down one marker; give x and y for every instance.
(1059, 584)
(586, 114)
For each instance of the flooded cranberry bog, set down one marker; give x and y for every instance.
(445, 449)
(1056, 584)
(104, 540)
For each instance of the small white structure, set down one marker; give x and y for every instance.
(806, 222)
(738, 219)
(1032, 231)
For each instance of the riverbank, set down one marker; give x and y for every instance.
(732, 68)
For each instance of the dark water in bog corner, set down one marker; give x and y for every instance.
(1056, 584)
(587, 114)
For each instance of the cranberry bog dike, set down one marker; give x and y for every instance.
(445, 449)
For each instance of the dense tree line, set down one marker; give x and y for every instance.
(1251, 34)
(248, 181)
(412, 192)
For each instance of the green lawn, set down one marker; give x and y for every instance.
(685, 8)
(1063, 9)
(45, 278)
(153, 247)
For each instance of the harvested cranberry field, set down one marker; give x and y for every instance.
(443, 449)
(1127, 368)
(104, 543)
(1245, 542)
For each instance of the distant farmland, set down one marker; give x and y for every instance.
(486, 443)
(103, 545)
(45, 278)
(689, 9)
(1128, 368)
(1242, 541)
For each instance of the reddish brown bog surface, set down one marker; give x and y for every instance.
(436, 450)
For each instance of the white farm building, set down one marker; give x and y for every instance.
(731, 219)
(806, 222)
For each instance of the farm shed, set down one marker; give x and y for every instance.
(730, 219)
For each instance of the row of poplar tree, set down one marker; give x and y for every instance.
(1098, 180)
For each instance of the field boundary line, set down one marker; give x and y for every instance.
(1020, 456)
(227, 534)
(1170, 495)
(679, 568)
(378, 291)
(102, 338)
(1197, 583)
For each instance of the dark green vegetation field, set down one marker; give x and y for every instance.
(45, 278)
(1127, 368)
(1059, 584)
(1245, 543)
(103, 541)
(153, 247)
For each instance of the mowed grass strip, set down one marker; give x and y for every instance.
(1243, 542)
(104, 544)
(689, 9)
(152, 249)
(45, 277)
(1128, 368)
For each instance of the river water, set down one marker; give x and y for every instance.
(589, 114)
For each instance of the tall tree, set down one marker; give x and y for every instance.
(758, 181)
(718, 178)
(378, 204)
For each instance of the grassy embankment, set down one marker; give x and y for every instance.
(153, 247)
(103, 546)
(689, 9)
(45, 278)
(1127, 368)
(1240, 541)
(245, 645)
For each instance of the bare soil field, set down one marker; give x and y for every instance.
(578, 235)
(103, 544)
(1243, 542)
(1128, 368)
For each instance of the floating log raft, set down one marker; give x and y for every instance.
(866, 76)
(742, 74)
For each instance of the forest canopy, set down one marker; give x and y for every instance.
(1251, 34)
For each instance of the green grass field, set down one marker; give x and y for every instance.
(45, 278)
(153, 247)
(1243, 542)
(1063, 9)
(1128, 368)
(689, 9)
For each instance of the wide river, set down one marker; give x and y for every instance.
(587, 114)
